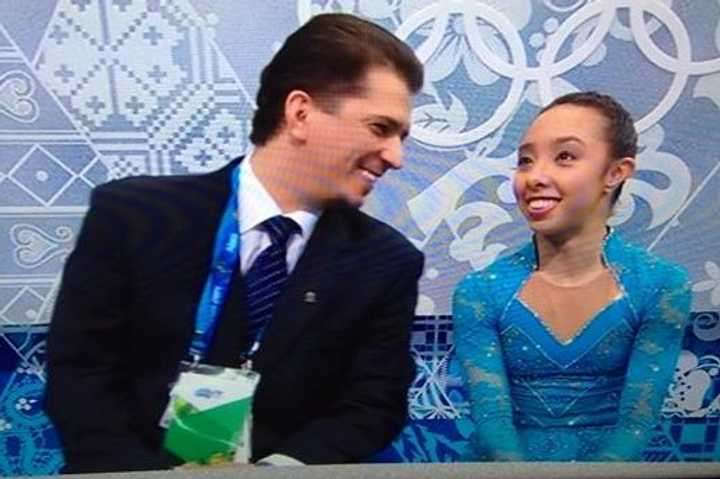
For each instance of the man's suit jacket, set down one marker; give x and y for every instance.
(334, 361)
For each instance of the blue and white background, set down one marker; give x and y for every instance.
(93, 90)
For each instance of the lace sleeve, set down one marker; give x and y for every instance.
(478, 350)
(650, 369)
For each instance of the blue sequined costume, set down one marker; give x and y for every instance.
(595, 397)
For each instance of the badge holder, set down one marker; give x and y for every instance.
(209, 416)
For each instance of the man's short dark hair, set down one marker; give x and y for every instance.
(328, 58)
(621, 134)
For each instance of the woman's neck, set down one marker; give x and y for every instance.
(572, 260)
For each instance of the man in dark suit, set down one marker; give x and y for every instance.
(333, 109)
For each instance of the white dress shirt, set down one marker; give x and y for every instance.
(255, 205)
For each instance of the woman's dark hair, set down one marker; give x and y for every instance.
(621, 134)
(328, 58)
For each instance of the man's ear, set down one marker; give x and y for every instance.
(297, 109)
(619, 171)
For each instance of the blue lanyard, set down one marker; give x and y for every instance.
(225, 259)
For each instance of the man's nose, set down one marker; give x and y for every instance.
(392, 152)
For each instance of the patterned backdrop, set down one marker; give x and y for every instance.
(93, 90)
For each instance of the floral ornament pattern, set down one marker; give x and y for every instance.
(16, 97)
(691, 394)
(712, 284)
(160, 90)
(5, 425)
(33, 246)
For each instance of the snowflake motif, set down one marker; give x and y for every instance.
(32, 367)
(24, 404)
(712, 284)
(27, 369)
(4, 425)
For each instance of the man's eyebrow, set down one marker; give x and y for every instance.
(392, 123)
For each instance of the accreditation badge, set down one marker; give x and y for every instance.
(209, 416)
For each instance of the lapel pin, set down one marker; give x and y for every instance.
(310, 297)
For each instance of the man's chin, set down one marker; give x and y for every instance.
(355, 197)
(344, 203)
(348, 198)
(355, 202)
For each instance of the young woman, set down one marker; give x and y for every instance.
(568, 345)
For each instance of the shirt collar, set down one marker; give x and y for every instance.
(252, 192)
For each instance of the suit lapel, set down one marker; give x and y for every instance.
(227, 339)
(308, 288)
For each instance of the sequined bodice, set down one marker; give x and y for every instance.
(594, 397)
(574, 383)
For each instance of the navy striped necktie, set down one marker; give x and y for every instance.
(266, 277)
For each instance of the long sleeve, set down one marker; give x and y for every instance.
(372, 407)
(87, 344)
(650, 369)
(477, 347)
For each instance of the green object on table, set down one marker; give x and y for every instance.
(209, 435)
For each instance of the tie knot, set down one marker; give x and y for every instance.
(280, 228)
